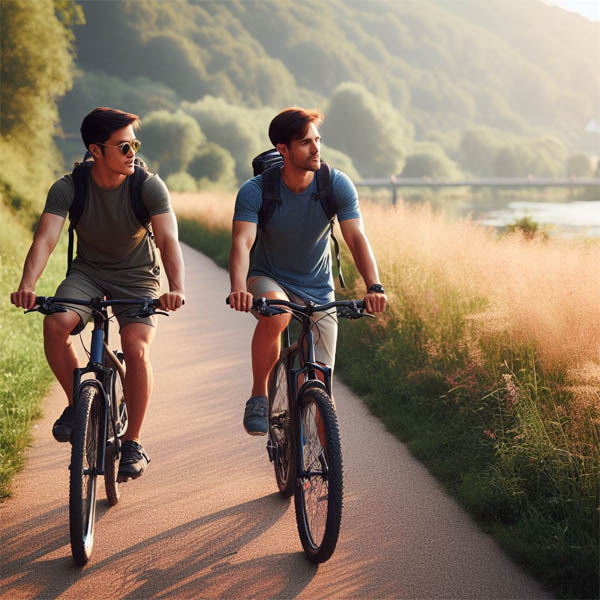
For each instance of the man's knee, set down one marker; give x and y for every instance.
(135, 343)
(58, 326)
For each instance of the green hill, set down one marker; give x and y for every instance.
(509, 72)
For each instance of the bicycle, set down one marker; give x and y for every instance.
(100, 416)
(303, 435)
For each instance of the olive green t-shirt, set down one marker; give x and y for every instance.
(112, 245)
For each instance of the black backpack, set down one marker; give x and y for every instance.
(269, 163)
(81, 176)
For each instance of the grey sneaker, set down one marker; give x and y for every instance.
(134, 461)
(63, 426)
(255, 415)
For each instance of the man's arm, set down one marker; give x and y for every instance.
(242, 238)
(164, 227)
(355, 237)
(44, 241)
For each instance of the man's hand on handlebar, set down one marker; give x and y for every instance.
(23, 298)
(375, 302)
(241, 301)
(172, 300)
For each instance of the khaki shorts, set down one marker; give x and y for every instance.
(326, 324)
(81, 286)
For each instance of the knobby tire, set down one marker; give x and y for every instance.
(318, 497)
(84, 460)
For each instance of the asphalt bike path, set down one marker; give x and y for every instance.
(206, 520)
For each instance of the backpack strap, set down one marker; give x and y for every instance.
(136, 182)
(271, 180)
(325, 196)
(80, 175)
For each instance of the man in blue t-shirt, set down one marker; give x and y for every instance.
(291, 259)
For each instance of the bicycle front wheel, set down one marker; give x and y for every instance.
(84, 464)
(280, 429)
(319, 486)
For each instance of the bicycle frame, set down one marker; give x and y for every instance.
(103, 381)
(303, 349)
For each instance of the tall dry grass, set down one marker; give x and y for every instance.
(213, 209)
(545, 292)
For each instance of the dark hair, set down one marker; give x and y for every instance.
(291, 124)
(100, 124)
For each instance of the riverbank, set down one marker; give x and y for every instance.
(486, 365)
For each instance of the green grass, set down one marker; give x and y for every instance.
(24, 373)
(488, 421)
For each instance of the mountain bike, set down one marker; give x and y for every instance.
(100, 415)
(303, 435)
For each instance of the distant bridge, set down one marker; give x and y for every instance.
(492, 182)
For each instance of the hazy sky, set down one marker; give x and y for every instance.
(588, 8)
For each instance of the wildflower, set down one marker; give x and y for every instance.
(513, 394)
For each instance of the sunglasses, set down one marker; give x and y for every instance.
(125, 146)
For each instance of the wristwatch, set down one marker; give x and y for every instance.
(377, 288)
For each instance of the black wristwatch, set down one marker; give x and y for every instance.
(377, 288)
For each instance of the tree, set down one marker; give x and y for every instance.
(31, 85)
(242, 131)
(580, 165)
(367, 129)
(170, 140)
(214, 164)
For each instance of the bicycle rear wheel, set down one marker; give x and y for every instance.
(84, 463)
(279, 429)
(319, 488)
(118, 409)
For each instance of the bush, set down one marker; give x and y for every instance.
(214, 164)
(181, 182)
(340, 161)
(170, 140)
(429, 160)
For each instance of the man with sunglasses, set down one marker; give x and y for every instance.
(116, 257)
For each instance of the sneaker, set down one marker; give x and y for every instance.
(255, 416)
(134, 461)
(63, 426)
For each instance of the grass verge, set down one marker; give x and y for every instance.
(487, 367)
(24, 373)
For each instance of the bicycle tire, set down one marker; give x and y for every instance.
(82, 483)
(111, 468)
(280, 432)
(318, 498)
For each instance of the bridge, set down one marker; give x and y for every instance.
(394, 183)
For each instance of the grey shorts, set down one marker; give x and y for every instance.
(326, 325)
(79, 285)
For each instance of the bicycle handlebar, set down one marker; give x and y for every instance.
(351, 309)
(50, 304)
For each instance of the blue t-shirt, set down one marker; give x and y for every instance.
(293, 247)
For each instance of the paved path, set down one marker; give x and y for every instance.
(205, 521)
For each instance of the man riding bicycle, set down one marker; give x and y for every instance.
(116, 257)
(290, 256)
